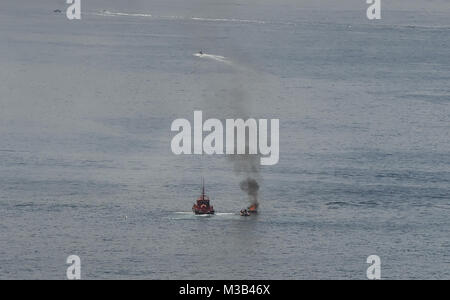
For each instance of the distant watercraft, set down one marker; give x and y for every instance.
(244, 213)
(252, 209)
(202, 205)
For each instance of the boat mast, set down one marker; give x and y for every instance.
(203, 187)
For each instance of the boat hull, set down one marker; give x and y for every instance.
(203, 212)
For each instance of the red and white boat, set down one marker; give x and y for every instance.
(202, 205)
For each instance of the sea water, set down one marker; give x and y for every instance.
(85, 161)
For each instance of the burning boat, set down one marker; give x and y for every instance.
(202, 205)
(252, 209)
(251, 187)
(244, 213)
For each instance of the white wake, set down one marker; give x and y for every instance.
(108, 13)
(213, 57)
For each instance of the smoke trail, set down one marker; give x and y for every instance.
(248, 166)
(251, 187)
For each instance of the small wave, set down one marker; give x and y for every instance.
(428, 97)
(443, 206)
(228, 20)
(338, 204)
(30, 204)
(368, 203)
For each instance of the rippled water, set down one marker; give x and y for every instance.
(86, 166)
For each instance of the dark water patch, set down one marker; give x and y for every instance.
(13, 151)
(338, 204)
(13, 158)
(368, 203)
(58, 188)
(146, 125)
(436, 99)
(57, 207)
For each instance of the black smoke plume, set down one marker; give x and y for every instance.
(251, 187)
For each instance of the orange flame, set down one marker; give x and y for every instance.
(253, 207)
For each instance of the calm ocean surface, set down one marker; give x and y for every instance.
(86, 166)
